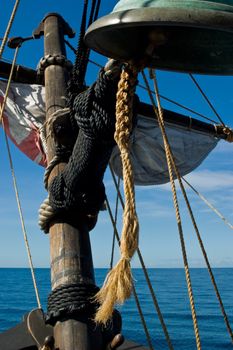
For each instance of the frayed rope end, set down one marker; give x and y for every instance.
(116, 289)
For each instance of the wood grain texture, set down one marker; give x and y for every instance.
(71, 258)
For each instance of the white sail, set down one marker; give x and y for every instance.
(190, 148)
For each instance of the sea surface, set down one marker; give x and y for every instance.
(17, 297)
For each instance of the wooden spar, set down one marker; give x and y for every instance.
(70, 251)
(21, 74)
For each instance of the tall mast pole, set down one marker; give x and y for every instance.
(70, 251)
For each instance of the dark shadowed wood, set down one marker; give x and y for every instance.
(21, 74)
(71, 259)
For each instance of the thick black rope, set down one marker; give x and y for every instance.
(79, 187)
(73, 300)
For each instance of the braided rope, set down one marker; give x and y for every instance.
(118, 283)
(170, 162)
(4, 40)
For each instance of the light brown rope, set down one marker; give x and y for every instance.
(169, 157)
(197, 232)
(155, 301)
(5, 38)
(118, 284)
(205, 255)
(15, 182)
(116, 234)
(215, 210)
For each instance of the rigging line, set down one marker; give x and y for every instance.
(15, 182)
(208, 204)
(133, 287)
(206, 98)
(4, 40)
(115, 221)
(173, 164)
(205, 255)
(169, 156)
(97, 10)
(156, 304)
(197, 231)
(144, 88)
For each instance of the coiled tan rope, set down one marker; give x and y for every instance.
(170, 161)
(118, 284)
(5, 38)
(15, 182)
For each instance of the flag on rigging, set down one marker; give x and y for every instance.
(23, 118)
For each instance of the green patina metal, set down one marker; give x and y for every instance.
(181, 35)
(215, 5)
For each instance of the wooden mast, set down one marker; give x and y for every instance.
(70, 251)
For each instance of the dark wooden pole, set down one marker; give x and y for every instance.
(70, 251)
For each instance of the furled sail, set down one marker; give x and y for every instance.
(24, 116)
(190, 147)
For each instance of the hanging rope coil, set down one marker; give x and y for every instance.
(118, 284)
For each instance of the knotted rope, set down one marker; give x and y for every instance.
(118, 284)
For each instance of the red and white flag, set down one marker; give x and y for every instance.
(24, 116)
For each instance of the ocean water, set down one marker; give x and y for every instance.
(17, 298)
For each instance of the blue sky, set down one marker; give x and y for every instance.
(159, 241)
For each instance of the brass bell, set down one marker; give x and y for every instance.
(193, 36)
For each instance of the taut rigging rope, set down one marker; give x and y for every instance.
(4, 40)
(215, 210)
(191, 215)
(207, 99)
(144, 88)
(169, 156)
(15, 182)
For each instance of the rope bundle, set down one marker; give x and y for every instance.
(118, 284)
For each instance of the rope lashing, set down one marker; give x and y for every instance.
(79, 187)
(118, 284)
(71, 300)
(225, 130)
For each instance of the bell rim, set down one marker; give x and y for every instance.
(208, 19)
(194, 18)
